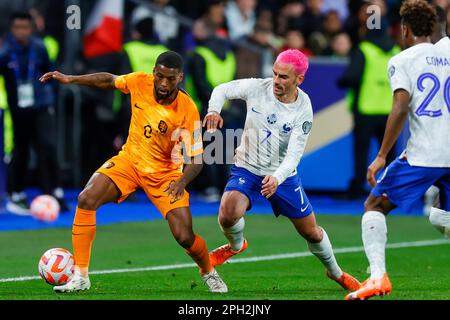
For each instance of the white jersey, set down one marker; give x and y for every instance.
(424, 71)
(443, 44)
(275, 133)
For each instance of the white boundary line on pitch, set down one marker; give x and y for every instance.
(423, 243)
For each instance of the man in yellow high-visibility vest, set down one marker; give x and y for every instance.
(371, 101)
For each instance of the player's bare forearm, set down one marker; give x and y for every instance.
(100, 80)
(395, 122)
(191, 171)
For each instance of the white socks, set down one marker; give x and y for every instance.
(235, 234)
(324, 252)
(374, 236)
(440, 219)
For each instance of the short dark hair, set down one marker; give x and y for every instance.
(420, 16)
(21, 15)
(170, 59)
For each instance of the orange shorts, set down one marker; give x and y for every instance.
(125, 176)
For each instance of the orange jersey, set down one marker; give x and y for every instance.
(157, 132)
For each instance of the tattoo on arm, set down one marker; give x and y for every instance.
(101, 80)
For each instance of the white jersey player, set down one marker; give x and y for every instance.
(420, 81)
(279, 120)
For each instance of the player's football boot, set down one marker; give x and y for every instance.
(371, 288)
(221, 254)
(346, 281)
(214, 282)
(77, 283)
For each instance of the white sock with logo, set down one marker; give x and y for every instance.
(324, 251)
(374, 236)
(235, 234)
(440, 219)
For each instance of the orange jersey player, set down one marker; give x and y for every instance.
(164, 119)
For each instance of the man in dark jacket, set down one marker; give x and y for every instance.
(23, 59)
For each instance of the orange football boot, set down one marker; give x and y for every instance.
(221, 254)
(371, 288)
(346, 281)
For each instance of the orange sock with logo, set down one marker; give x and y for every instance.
(199, 253)
(83, 234)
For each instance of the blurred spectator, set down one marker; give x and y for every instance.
(332, 25)
(215, 13)
(340, 45)
(312, 19)
(355, 25)
(23, 59)
(215, 17)
(241, 17)
(165, 23)
(340, 6)
(50, 42)
(294, 40)
(212, 62)
(143, 50)
(289, 13)
(320, 40)
(366, 76)
(440, 30)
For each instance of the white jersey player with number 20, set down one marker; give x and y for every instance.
(420, 82)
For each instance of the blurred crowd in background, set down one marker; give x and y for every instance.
(220, 40)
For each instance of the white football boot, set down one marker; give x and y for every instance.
(214, 282)
(77, 283)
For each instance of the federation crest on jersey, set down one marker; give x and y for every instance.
(271, 119)
(391, 71)
(162, 127)
(307, 125)
(287, 128)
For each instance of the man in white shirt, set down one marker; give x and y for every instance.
(279, 120)
(420, 82)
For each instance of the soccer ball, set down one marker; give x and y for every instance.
(45, 208)
(56, 266)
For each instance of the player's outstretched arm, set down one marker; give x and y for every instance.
(394, 126)
(101, 80)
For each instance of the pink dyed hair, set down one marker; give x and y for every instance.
(295, 58)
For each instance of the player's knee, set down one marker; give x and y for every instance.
(87, 201)
(184, 238)
(313, 235)
(229, 214)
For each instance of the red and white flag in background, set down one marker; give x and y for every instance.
(104, 28)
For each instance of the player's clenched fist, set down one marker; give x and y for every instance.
(55, 75)
(212, 121)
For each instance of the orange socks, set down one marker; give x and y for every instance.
(83, 234)
(199, 253)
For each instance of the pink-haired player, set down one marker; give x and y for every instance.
(279, 120)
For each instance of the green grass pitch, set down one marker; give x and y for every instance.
(416, 272)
